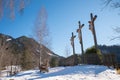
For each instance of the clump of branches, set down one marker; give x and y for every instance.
(10, 6)
(41, 30)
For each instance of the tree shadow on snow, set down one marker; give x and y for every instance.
(82, 69)
(24, 73)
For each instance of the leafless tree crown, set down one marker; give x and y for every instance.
(41, 30)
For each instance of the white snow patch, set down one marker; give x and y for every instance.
(50, 54)
(37, 50)
(6, 72)
(8, 39)
(81, 72)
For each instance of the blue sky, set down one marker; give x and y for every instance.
(63, 17)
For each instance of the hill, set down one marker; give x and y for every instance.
(23, 51)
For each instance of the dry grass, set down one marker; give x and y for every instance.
(118, 71)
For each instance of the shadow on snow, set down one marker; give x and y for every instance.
(73, 70)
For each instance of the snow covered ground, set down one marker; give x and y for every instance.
(81, 72)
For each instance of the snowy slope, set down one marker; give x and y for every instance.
(81, 72)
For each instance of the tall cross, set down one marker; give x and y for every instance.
(80, 36)
(92, 28)
(72, 43)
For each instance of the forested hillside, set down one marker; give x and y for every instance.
(22, 51)
(115, 49)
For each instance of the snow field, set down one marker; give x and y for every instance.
(80, 72)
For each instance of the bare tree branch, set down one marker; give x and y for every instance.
(11, 6)
(116, 5)
(112, 3)
(116, 30)
(118, 37)
(107, 2)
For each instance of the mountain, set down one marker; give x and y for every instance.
(23, 51)
(114, 49)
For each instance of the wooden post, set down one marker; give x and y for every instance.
(80, 36)
(72, 43)
(92, 28)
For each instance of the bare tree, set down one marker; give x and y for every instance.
(10, 6)
(41, 31)
(116, 5)
(67, 51)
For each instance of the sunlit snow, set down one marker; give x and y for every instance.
(80, 72)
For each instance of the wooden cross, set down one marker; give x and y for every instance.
(92, 28)
(80, 35)
(72, 42)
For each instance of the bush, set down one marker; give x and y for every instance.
(93, 56)
(92, 50)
